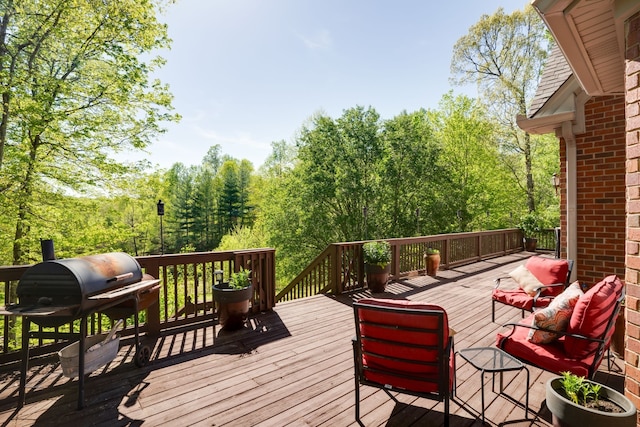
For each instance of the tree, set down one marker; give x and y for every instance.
(475, 187)
(504, 55)
(74, 90)
(411, 176)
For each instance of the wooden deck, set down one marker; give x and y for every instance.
(292, 366)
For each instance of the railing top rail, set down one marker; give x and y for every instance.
(433, 237)
(223, 255)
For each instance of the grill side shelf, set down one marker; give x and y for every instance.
(35, 311)
(125, 290)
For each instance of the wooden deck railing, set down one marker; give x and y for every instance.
(186, 279)
(185, 296)
(339, 268)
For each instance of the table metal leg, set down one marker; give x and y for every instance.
(526, 398)
(482, 392)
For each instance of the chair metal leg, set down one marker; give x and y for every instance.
(493, 310)
(446, 411)
(357, 400)
(356, 355)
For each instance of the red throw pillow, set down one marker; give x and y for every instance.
(548, 271)
(591, 316)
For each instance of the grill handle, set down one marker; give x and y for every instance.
(120, 277)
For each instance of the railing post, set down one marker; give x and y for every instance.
(336, 270)
(395, 260)
(153, 311)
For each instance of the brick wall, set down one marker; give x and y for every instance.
(632, 92)
(600, 190)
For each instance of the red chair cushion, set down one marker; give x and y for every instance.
(550, 357)
(549, 271)
(518, 298)
(375, 353)
(591, 316)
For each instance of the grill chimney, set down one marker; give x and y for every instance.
(48, 253)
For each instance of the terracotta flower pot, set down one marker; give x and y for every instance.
(530, 244)
(617, 339)
(432, 263)
(377, 277)
(233, 305)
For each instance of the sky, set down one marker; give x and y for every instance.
(246, 73)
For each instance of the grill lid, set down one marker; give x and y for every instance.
(71, 281)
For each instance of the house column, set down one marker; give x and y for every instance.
(571, 179)
(632, 255)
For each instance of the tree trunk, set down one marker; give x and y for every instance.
(531, 203)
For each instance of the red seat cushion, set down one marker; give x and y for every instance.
(591, 316)
(375, 354)
(549, 271)
(518, 298)
(550, 357)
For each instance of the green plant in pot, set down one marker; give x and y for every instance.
(530, 225)
(575, 401)
(233, 298)
(432, 261)
(377, 258)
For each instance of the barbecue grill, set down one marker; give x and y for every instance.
(56, 292)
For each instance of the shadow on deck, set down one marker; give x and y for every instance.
(291, 366)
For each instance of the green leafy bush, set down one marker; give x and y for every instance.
(377, 253)
(530, 224)
(240, 279)
(579, 390)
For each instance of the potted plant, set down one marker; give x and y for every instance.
(432, 261)
(577, 401)
(377, 259)
(530, 224)
(233, 298)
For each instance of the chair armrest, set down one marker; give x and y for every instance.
(539, 290)
(561, 333)
(543, 287)
(496, 282)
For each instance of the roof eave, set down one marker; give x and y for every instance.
(564, 32)
(544, 124)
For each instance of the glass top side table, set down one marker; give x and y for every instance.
(493, 360)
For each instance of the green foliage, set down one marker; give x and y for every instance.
(475, 192)
(75, 89)
(377, 253)
(580, 390)
(504, 55)
(530, 224)
(240, 279)
(432, 251)
(242, 238)
(354, 177)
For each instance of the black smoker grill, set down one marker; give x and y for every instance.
(56, 292)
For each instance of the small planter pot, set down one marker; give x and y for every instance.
(617, 340)
(377, 277)
(530, 244)
(568, 414)
(432, 263)
(233, 305)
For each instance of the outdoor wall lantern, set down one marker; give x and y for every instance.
(555, 180)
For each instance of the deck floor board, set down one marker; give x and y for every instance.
(292, 366)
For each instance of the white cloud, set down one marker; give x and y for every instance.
(320, 40)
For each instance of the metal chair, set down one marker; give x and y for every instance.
(582, 347)
(405, 347)
(554, 276)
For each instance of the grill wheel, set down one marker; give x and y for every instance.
(142, 356)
